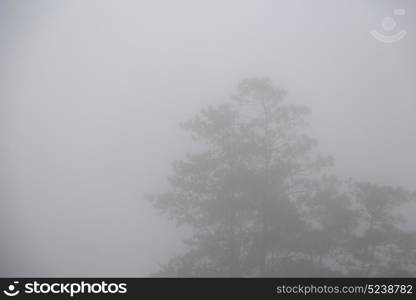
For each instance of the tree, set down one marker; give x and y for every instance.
(257, 203)
(381, 245)
(237, 194)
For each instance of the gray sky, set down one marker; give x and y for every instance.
(91, 93)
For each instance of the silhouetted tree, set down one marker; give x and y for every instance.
(381, 240)
(257, 204)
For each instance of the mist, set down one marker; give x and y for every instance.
(92, 94)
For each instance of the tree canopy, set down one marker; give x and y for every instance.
(259, 201)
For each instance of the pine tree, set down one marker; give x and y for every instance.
(237, 194)
(257, 203)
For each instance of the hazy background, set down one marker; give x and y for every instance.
(91, 93)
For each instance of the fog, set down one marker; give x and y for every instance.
(92, 94)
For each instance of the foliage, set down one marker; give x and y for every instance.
(259, 204)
